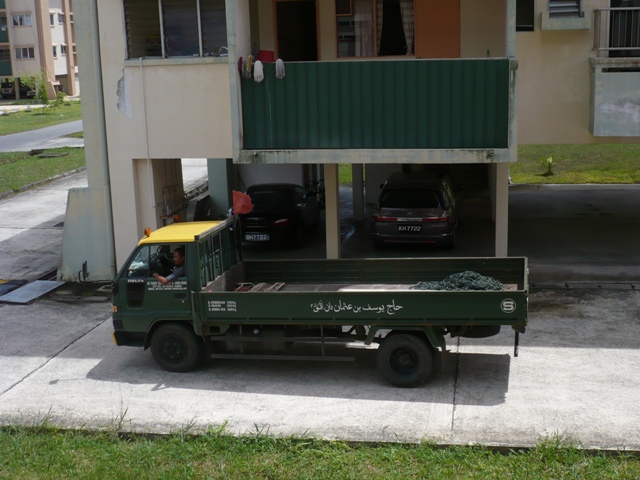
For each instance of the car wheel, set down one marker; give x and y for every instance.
(175, 348)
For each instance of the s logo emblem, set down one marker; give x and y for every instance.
(508, 305)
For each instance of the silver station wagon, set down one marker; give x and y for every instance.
(417, 207)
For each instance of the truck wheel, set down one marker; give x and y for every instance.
(175, 348)
(404, 360)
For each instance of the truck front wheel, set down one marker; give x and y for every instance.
(175, 348)
(404, 360)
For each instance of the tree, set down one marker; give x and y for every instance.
(37, 81)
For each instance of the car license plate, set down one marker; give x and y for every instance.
(409, 228)
(256, 237)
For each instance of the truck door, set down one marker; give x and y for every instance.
(143, 299)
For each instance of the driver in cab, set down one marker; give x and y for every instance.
(178, 260)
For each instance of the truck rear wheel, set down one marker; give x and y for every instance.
(404, 360)
(175, 348)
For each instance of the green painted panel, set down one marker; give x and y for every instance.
(334, 105)
(444, 110)
(410, 100)
(422, 103)
(479, 87)
(5, 68)
(367, 101)
(313, 109)
(324, 94)
(356, 107)
(301, 97)
(399, 74)
(414, 103)
(433, 105)
(455, 110)
(344, 104)
(379, 121)
(293, 80)
(279, 107)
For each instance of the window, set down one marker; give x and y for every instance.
(5, 54)
(564, 8)
(3, 21)
(61, 19)
(21, 20)
(525, 15)
(63, 50)
(23, 53)
(52, 19)
(55, 51)
(369, 28)
(169, 28)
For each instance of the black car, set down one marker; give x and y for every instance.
(282, 213)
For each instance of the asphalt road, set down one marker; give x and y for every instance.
(48, 137)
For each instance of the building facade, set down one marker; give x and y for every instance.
(38, 36)
(379, 84)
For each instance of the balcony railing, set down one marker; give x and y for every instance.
(394, 104)
(617, 32)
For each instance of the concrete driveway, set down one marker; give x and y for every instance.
(575, 377)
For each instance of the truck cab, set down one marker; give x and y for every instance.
(141, 303)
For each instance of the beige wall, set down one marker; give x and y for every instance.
(554, 89)
(162, 109)
(483, 28)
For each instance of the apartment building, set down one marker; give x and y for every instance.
(38, 36)
(379, 84)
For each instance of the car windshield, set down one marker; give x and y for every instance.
(409, 199)
(271, 198)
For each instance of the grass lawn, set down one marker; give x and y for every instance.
(571, 164)
(39, 118)
(577, 164)
(18, 169)
(54, 454)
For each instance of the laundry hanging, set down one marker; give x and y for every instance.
(258, 73)
(280, 69)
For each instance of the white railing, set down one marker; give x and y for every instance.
(617, 32)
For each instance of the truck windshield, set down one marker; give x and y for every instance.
(139, 266)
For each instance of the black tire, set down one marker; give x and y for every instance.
(404, 360)
(175, 348)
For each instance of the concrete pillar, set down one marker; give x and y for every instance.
(357, 179)
(88, 227)
(501, 209)
(219, 180)
(332, 210)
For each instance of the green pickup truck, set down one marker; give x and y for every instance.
(221, 306)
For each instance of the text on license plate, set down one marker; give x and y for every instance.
(256, 237)
(410, 228)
